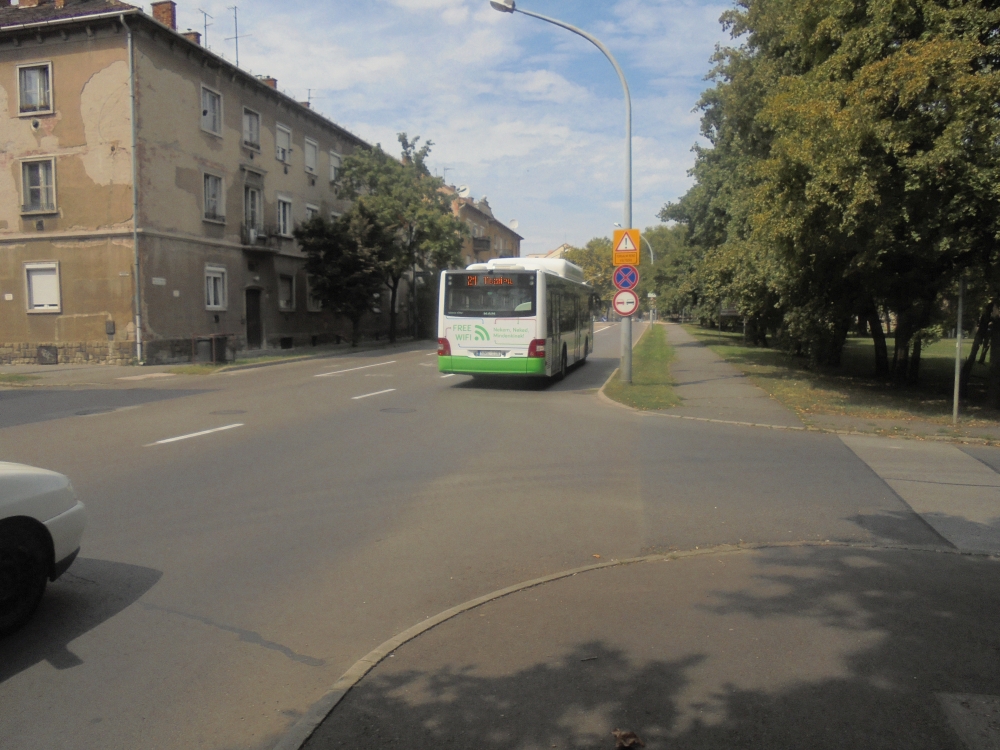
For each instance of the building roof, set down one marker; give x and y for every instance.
(471, 204)
(16, 15)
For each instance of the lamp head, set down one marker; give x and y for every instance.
(504, 6)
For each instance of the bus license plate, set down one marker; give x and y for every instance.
(489, 353)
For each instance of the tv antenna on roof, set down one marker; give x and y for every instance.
(236, 31)
(205, 17)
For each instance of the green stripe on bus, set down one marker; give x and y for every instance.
(477, 366)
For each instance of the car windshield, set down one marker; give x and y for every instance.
(483, 295)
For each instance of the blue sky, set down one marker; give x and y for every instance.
(521, 111)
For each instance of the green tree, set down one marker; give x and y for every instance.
(595, 258)
(413, 215)
(344, 263)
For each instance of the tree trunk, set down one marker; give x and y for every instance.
(980, 339)
(994, 375)
(913, 371)
(355, 330)
(393, 285)
(878, 337)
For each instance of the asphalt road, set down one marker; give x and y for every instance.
(228, 579)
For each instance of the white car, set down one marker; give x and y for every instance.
(41, 523)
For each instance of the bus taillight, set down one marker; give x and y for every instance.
(444, 348)
(537, 348)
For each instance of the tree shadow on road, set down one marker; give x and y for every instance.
(912, 627)
(88, 594)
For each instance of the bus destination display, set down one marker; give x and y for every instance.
(490, 280)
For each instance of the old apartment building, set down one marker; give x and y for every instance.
(149, 190)
(488, 236)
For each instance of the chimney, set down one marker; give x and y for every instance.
(192, 36)
(267, 80)
(165, 12)
(30, 3)
(60, 4)
(307, 105)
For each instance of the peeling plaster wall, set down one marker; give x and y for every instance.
(89, 134)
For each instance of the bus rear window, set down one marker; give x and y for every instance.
(490, 295)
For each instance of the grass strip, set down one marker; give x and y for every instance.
(850, 390)
(651, 386)
(12, 379)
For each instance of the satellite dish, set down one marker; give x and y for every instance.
(463, 191)
(513, 224)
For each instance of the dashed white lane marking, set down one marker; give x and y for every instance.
(148, 375)
(426, 364)
(451, 375)
(606, 328)
(193, 434)
(352, 369)
(377, 393)
(432, 354)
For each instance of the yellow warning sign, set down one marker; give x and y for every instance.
(626, 247)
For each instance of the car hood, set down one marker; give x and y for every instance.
(30, 491)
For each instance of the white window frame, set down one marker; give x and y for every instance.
(44, 208)
(205, 113)
(281, 154)
(22, 112)
(312, 303)
(213, 271)
(286, 223)
(246, 142)
(291, 306)
(313, 148)
(217, 218)
(312, 211)
(42, 266)
(258, 221)
(334, 215)
(336, 160)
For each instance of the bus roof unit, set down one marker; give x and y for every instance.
(551, 265)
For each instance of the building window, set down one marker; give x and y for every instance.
(284, 217)
(283, 144)
(311, 212)
(313, 303)
(312, 154)
(215, 288)
(251, 129)
(211, 111)
(38, 186)
(213, 198)
(34, 89)
(42, 280)
(286, 292)
(335, 161)
(335, 215)
(252, 215)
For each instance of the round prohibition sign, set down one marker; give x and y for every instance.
(625, 302)
(626, 277)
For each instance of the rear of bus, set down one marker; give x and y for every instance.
(488, 323)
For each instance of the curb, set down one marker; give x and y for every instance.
(303, 729)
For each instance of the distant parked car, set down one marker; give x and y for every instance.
(41, 523)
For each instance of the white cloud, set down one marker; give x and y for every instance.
(518, 109)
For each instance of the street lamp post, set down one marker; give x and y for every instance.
(509, 6)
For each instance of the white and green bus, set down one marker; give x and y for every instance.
(514, 316)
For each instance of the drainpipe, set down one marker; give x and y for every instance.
(137, 301)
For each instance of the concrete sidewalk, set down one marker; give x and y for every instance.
(794, 647)
(713, 388)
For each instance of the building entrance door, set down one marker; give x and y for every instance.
(255, 329)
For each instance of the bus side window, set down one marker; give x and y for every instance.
(551, 310)
(567, 319)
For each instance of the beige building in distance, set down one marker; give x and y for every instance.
(488, 236)
(149, 190)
